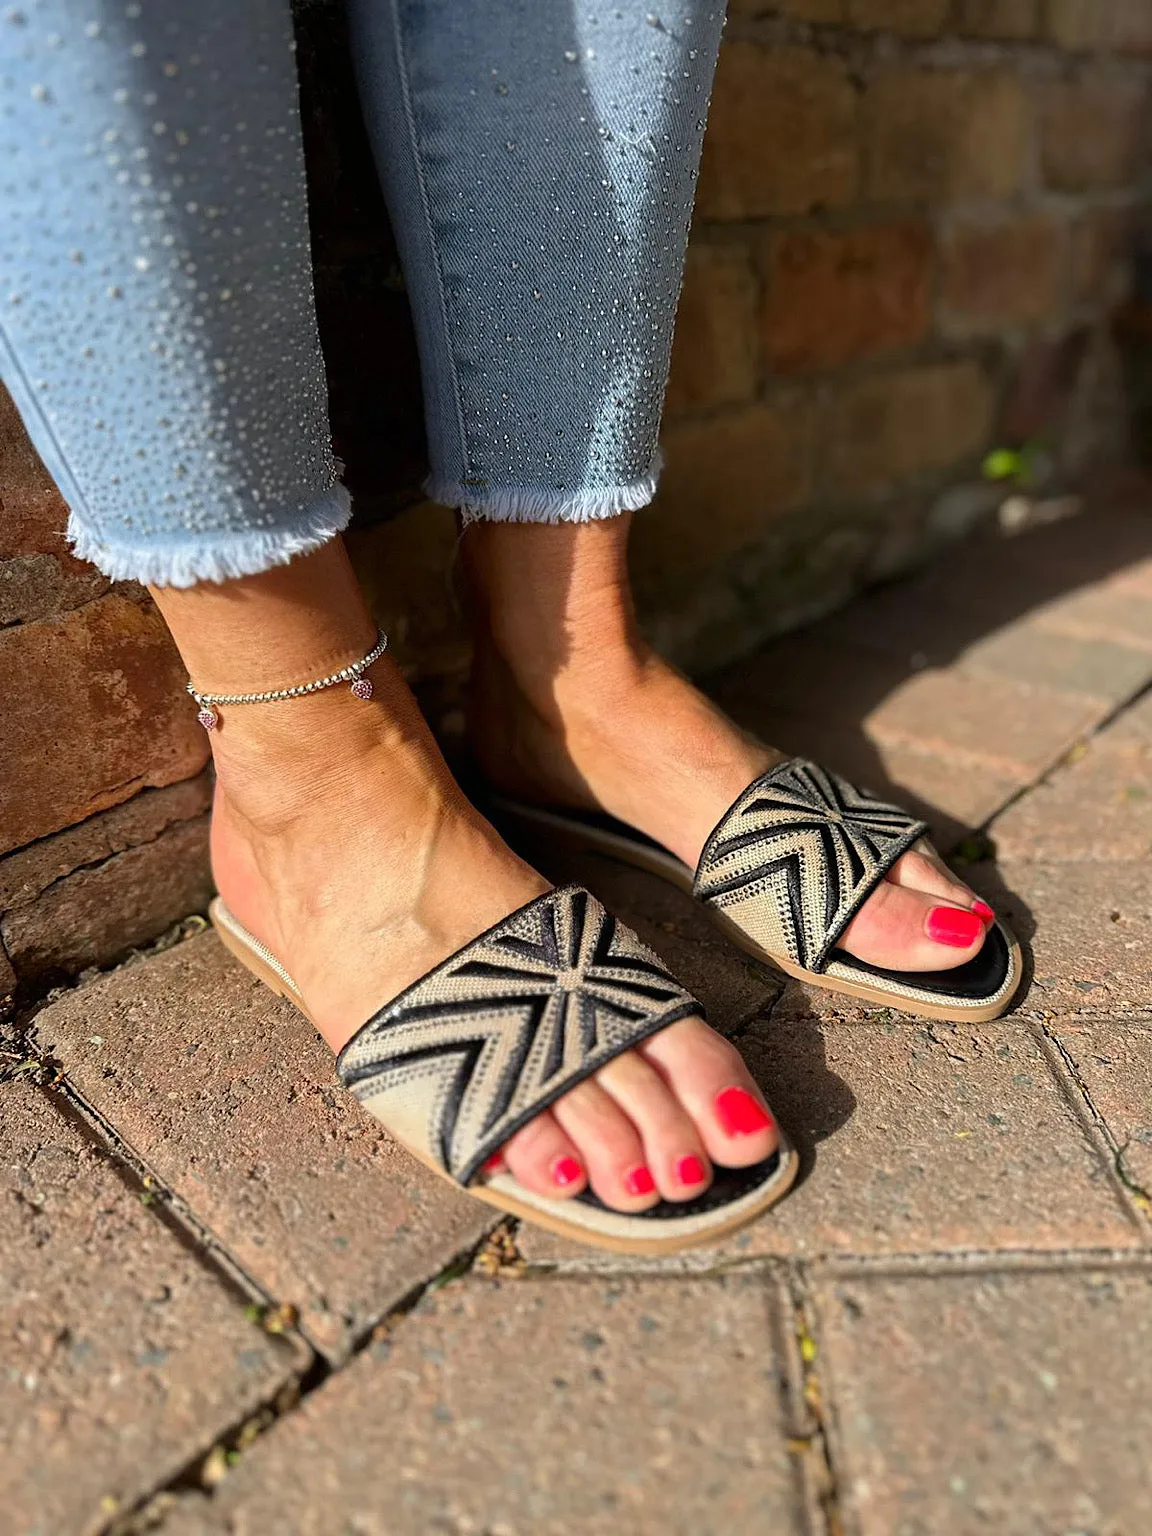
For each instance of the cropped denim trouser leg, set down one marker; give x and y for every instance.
(157, 328)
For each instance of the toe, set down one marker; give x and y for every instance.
(717, 1091)
(922, 869)
(545, 1160)
(673, 1149)
(609, 1146)
(904, 929)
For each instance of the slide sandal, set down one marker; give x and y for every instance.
(486, 1040)
(784, 872)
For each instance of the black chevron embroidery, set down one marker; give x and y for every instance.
(552, 994)
(814, 844)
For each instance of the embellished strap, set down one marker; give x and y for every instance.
(478, 1046)
(797, 855)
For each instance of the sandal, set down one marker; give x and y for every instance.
(783, 874)
(473, 1050)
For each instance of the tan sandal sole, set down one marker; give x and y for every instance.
(262, 964)
(665, 865)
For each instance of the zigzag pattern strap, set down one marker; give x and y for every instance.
(508, 1024)
(810, 843)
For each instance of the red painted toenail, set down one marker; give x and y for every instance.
(565, 1171)
(492, 1163)
(739, 1113)
(953, 926)
(690, 1170)
(639, 1181)
(984, 911)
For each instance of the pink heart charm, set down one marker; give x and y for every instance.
(207, 718)
(362, 688)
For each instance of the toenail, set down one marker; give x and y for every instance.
(984, 911)
(492, 1163)
(565, 1171)
(739, 1113)
(639, 1181)
(690, 1170)
(953, 926)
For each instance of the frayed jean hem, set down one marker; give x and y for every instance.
(522, 504)
(221, 556)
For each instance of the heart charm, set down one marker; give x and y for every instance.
(208, 718)
(362, 688)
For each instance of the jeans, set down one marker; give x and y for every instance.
(157, 329)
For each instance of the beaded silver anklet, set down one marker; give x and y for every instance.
(361, 687)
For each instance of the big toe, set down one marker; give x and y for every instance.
(902, 928)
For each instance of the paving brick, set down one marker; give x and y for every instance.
(725, 479)
(100, 695)
(912, 18)
(781, 135)
(1113, 1061)
(836, 295)
(714, 357)
(123, 1358)
(1092, 132)
(944, 135)
(548, 1407)
(30, 871)
(1008, 19)
(885, 427)
(971, 1403)
(1088, 924)
(928, 1139)
(96, 915)
(1097, 807)
(1133, 728)
(1028, 653)
(231, 1098)
(1024, 729)
(1102, 612)
(1004, 273)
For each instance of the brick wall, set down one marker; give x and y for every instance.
(917, 220)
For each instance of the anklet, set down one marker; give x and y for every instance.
(361, 687)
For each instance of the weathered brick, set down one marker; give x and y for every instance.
(1026, 652)
(714, 356)
(38, 574)
(1098, 807)
(1008, 272)
(933, 135)
(546, 1407)
(1086, 25)
(881, 429)
(29, 871)
(231, 1098)
(913, 18)
(1000, 1402)
(725, 480)
(927, 1139)
(782, 135)
(1112, 1060)
(95, 916)
(1093, 131)
(124, 1358)
(1101, 257)
(836, 295)
(999, 18)
(99, 695)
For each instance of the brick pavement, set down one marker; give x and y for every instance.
(229, 1305)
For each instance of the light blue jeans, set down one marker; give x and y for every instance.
(157, 329)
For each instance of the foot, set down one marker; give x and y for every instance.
(340, 840)
(614, 728)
